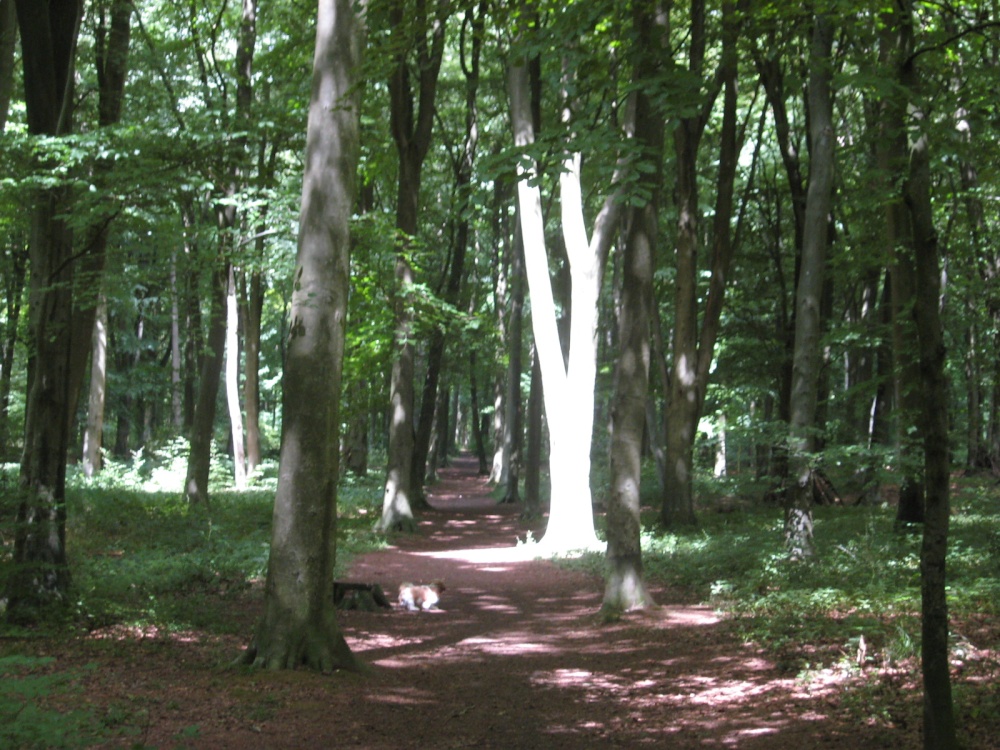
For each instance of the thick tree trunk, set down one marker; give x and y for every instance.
(808, 295)
(40, 577)
(298, 627)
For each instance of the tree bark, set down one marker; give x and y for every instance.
(232, 369)
(411, 130)
(625, 588)
(298, 627)
(40, 577)
(94, 434)
(693, 351)
(203, 423)
(8, 42)
(809, 293)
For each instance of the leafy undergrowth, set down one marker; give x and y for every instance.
(145, 565)
(852, 612)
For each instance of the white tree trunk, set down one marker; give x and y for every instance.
(98, 380)
(233, 383)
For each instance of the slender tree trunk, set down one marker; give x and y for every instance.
(893, 157)
(232, 369)
(298, 627)
(809, 293)
(176, 363)
(203, 424)
(8, 42)
(533, 453)
(512, 398)
(411, 129)
(13, 287)
(477, 422)
(93, 437)
(252, 313)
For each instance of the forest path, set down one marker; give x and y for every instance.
(517, 657)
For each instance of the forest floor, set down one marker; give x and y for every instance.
(517, 657)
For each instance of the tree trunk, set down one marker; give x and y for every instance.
(568, 389)
(477, 422)
(40, 576)
(625, 588)
(809, 293)
(533, 453)
(411, 130)
(203, 424)
(232, 365)
(13, 287)
(8, 42)
(512, 398)
(893, 158)
(93, 437)
(298, 627)
(693, 351)
(252, 312)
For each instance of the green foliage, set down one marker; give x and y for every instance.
(27, 685)
(150, 559)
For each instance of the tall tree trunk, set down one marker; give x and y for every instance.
(939, 718)
(40, 577)
(809, 293)
(625, 588)
(94, 434)
(232, 365)
(896, 45)
(15, 266)
(568, 388)
(8, 42)
(411, 130)
(693, 351)
(252, 313)
(298, 627)
(456, 273)
(111, 47)
(512, 398)
(203, 424)
(479, 424)
(533, 436)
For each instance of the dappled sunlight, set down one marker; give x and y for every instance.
(487, 555)
(148, 632)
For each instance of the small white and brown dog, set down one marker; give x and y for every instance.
(420, 597)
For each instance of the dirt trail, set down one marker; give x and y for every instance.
(518, 659)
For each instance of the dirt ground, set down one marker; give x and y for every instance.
(515, 658)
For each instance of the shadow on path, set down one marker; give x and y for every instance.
(517, 658)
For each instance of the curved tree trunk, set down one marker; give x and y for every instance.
(298, 627)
